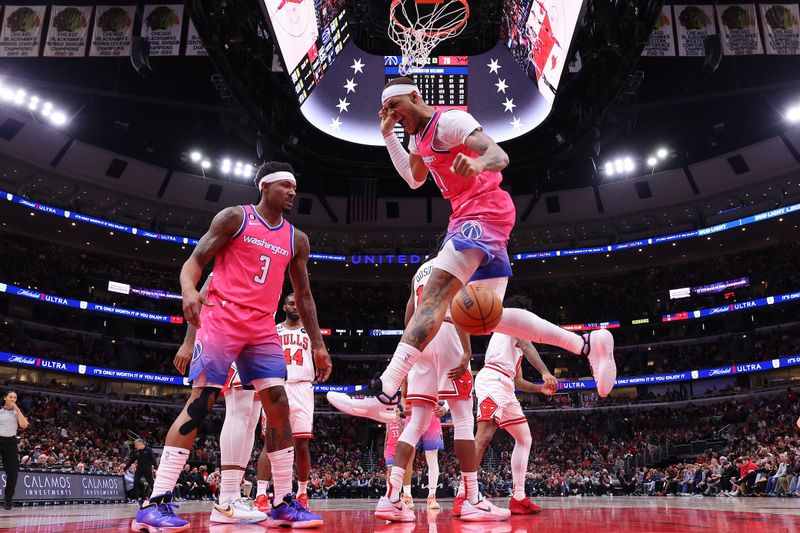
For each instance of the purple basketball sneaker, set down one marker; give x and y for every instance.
(159, 516)
(290, 513)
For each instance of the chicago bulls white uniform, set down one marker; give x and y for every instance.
(427, 380)
(494, 384)
(299, 375)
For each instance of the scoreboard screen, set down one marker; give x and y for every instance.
(442, 83)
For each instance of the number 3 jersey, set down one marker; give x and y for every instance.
(299, 356)
(250, 270)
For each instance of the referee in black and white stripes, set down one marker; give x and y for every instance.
(11, 420)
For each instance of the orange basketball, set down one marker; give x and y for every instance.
(476, 310)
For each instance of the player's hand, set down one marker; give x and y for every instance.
(388, 121)
(456, 372)
(550, 384)
(193, 303)
(467, 166)
(440, 412)
(182, 358)
(322, 363)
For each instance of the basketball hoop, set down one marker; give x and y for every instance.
(418, 30)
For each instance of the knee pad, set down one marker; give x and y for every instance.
(418, 424)
(463, 420)
(198, 409)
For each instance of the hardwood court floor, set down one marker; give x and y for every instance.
(585, 515)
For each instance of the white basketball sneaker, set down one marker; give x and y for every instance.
(369, 403)
(236, 511)
(483, 511)
(600, 345)
(393, 512)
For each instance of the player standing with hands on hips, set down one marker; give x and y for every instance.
(11, 420)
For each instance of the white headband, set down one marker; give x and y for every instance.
(398, 90)
(281, 175)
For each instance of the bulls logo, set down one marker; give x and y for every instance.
(197, 351)
(472, 230)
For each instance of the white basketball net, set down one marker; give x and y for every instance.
(418, 29)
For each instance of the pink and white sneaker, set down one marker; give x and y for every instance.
(393, 512)
(483, 511)
(367, 403)
(600, 345)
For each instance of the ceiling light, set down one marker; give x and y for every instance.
(610, 168)
(238, 171)
(206, 164)
(32, 106)
(652, 161)
(793, 114)
(619, 166)
(195, 156)
(58, 118)
(47, 105)
(662, 153)
(46, 111)
(628, 163)
(6, 94)
(248, 171)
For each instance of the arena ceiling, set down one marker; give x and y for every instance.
(617, 104)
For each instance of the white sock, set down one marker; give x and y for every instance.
(172, 461)
(229, 488)
(461, 488)
(403, 359)
(302, 487)
(525, 325)
(282, 462)
(394, 484)
(471, 487)
(407, 490)
(262, 488)
(519, 457)
(432, 458)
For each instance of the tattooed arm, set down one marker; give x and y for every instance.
(224, 226)
(490, 156)
(306, 308)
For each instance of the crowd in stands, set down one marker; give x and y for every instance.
(376, 303)
(750, 446)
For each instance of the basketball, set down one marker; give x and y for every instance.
(476, 310)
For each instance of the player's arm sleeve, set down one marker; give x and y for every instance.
(400, 160)
(454, 128)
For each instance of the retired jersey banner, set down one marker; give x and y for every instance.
(781, 24)
(739, 30)
(113, 28)
(693, 24)
(22, 31)
(194, 46)
(662, 39)
(68, 31)
(161, 26)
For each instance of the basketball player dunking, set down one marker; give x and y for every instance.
(253, 246)
(465, 163)
(299, 389)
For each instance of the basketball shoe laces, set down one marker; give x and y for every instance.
(376, 389)
(167, 508)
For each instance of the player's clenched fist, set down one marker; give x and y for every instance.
(466, 166)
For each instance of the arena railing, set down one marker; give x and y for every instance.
(371, 259)
(587, 326)
(563, 386)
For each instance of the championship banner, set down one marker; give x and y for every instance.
(781, 24)
(693, 24)
(113, 28)
(194, 45)
(35, 485)
(161, 26)
(68, 31)
(21, 33)
(739, 30)
(662, 39)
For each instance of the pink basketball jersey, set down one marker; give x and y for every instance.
(393, 431)
(466, 195)
(250, 270)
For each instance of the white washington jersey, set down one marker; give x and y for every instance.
(503, 354)
(299, 355)
(420, 279)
